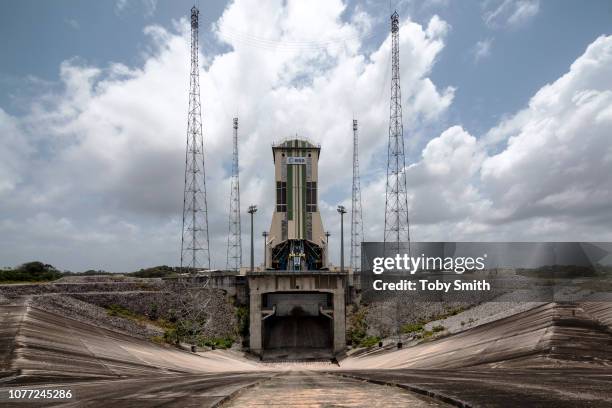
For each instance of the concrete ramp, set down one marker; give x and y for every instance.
(551, 335)
(36, 346)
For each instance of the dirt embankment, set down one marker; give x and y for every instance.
(148, 302)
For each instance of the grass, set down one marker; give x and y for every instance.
(218, 342)
(412, 328)
(158, 339)
(369, 341)
(357, 325)
(30, 272)
(120, 311)
(427, 334)
(437, 329)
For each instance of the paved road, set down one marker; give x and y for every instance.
(316, 389)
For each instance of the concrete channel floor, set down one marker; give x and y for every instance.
(287, 389)
(200, 390)
(316, 389)
(552, 356)
(494, 388)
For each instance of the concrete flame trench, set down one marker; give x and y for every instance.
(297, 315)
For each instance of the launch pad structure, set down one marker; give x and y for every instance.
(297, 304)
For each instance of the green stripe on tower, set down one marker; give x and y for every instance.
(289, 192)
(303, 235)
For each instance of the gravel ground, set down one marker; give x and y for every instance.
(86, 298)
(165, 304)
(481, 314)
(95, 315)
(103, 278)
(15, 290)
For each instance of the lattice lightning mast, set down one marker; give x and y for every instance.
(195, 251)
(356, 214)
(397, 227)
(234, 239)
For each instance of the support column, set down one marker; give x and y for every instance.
(255, 342)
(339, 321)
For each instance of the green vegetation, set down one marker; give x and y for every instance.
(173, 335)
(242, 315)
(427, 334)
(357, 333)
(158, 339)
(437, 328)
(153, 312)
(40, 272)
(412, 328)
(419, 327)
(452, 312)
(369, 341)
(120, 311)
(30, 272)
(162, 271)
(216, 342)
(358, 327)
(89, 272)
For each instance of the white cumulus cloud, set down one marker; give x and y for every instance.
(106, 177)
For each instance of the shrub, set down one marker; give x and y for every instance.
(30, 272)
(154, 272)
(242, 315)
(157, 339)
(437, 329)
(427, 334)
(154, 312)
(218, 342)
(369, 341)
(120, 311)
(358, 327)
(412, 327)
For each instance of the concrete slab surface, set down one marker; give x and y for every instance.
(555, 355)
(313, 389)
(503, 388)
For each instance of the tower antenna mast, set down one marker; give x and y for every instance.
(356, 210)
(234, 238)
(195, 251)
(397, 226)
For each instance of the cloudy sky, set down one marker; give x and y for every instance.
(507, 117)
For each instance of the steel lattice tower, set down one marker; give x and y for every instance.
(195, 253)
(397, 227)
(234, 239)
(356, 210)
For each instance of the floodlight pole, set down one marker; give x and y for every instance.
(265, 236)
(252, 210)
(342, 211)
